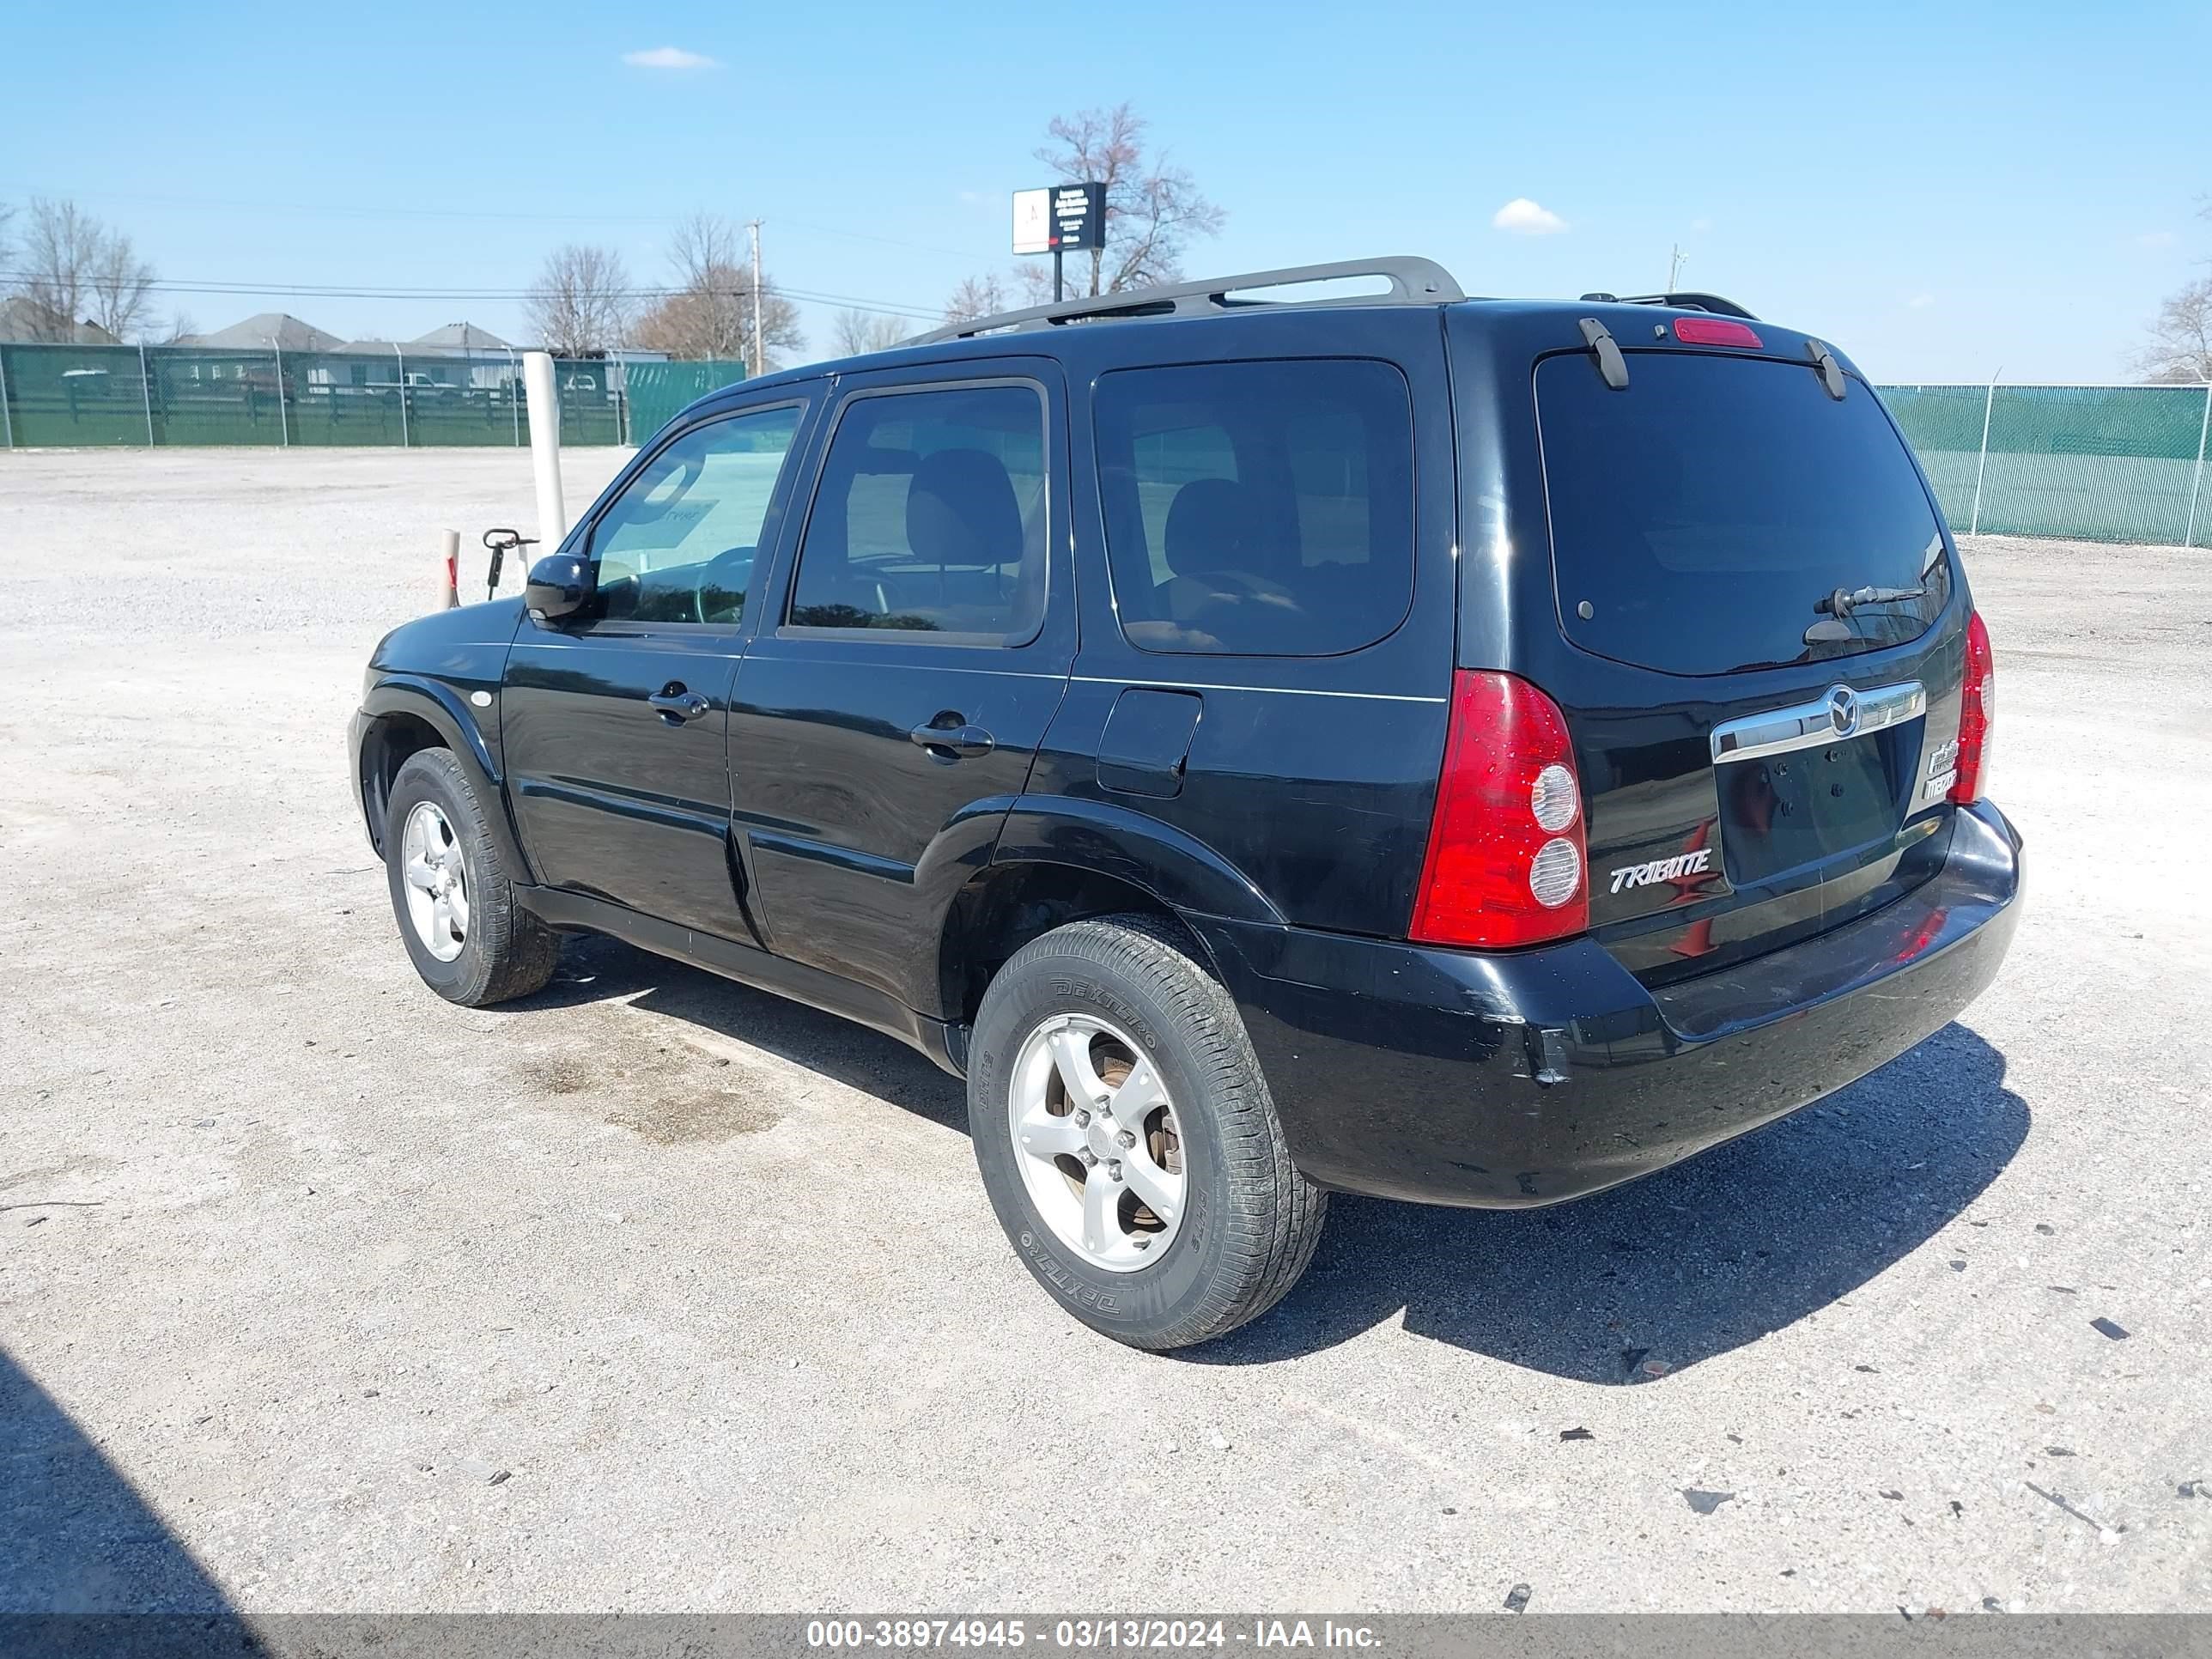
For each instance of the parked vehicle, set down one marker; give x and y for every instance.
(1471, 751)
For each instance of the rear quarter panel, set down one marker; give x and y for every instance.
(1312, 778)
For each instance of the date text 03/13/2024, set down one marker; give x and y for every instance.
(1086, 1635)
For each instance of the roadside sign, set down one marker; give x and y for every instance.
(1032, 221)
(1078, 217)
(1060, 219)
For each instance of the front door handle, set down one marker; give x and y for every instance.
(955, 740)
(675, 705)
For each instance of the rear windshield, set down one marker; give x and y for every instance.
(1698, 516)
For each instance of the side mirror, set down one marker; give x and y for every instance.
(560, 586)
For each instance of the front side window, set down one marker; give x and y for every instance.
(1258, 508)
(680, 543)
(930, 517)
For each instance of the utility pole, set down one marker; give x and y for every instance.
(754, 226)
(1674, 269)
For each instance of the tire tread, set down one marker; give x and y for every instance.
(1275, 1215)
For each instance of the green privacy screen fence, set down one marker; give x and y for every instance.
(71, 395)
(2100, 463)
(2094, 463)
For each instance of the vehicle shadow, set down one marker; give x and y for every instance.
(596, 969)
(1717, 1251)
(1668, 1271)
(76, 1539)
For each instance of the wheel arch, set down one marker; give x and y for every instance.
(404, 714)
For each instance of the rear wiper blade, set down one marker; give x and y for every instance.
(1841, 603)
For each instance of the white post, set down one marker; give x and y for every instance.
(449, 578)
(400, 358)
(514, 394)
(759, 303)
(6, 420)
(2197, 484)
(283, 420)
(1983, 465)
(545, 447)
(146, 391)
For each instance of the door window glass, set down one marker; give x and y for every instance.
(930, 517)
(1258, 508)
(680, 544)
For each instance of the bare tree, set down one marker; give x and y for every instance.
(976, 296)
(7, 248)
(1153, 207)
(713, 310)
(73, 270)
(59, 246)
(2180, 351)
(180, 330)
(580, 304)
(121, 285)
(856, 333)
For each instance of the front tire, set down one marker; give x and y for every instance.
(469, 939)
(1127, 1140)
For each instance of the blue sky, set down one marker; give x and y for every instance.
(1942, 190)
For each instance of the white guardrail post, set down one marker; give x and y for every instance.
(283, 415)
(545, 447)
(400, 358)
(146, 394)
(1982, 466)
(2197, 484)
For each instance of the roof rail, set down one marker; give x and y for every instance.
(1414, 282)
(1691, 301)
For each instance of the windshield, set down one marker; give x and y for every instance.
(1701, 517)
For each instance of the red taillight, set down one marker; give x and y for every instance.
(1507, 858)
(1977, 707)
(1714, 330)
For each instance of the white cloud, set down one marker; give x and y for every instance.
(1701, 224)
(669, 58)
(2155, 239)
(1921, 302)
(1525, 218)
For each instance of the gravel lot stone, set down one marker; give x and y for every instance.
(317, 1293)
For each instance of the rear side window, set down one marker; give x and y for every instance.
(930, 517)
(1258, 508)
(1702, 514)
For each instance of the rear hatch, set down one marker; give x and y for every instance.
(1764, 602)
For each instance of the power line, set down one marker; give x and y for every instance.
(334, 210)
(497, 295)
(356, 210)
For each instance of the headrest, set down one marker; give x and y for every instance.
(1211, 526)
(960, 509)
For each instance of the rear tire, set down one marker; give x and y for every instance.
(1105, 1000)
(469, 938)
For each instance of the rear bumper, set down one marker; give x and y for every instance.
(1512, 1080)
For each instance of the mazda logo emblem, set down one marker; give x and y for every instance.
(1843, 710)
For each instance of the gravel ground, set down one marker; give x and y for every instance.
(317, 1293)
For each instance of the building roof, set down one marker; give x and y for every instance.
(24, 318)
(257, 330)
(459, 337)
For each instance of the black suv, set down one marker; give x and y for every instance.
(1467, 750)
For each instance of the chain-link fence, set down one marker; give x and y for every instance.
(73, 395)
(2093, 463)
(2098, 463)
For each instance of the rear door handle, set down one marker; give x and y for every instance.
(961, 742)
(676, 705)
